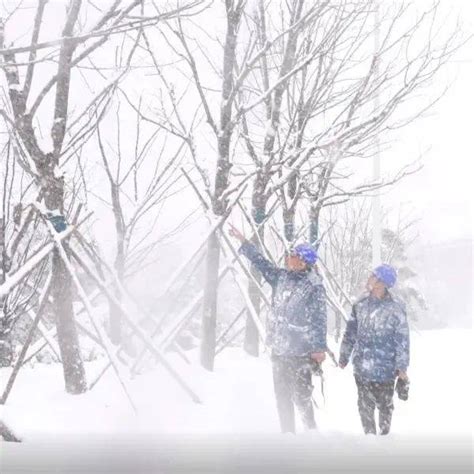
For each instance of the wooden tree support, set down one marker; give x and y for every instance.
(229, 328)
(237, 257)
(332, 297)
(124, 292)
(7, 433)
(146, 340)
(109, 348)
(336, 283)
(248, 302)
(33, 353)
(29, 338)
(214, 226)
(48, 335)
(14, 278)
(230, 341)
(244, 268)
(99, 262)
(170, 332)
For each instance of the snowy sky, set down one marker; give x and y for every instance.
(441, 193)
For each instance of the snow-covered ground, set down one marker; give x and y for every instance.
(236, 426)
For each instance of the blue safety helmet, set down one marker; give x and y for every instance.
(386, 274)
(306, 252)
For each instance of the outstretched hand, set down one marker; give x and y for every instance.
(233, 232)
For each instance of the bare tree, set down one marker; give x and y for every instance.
(223, 106)
(336, 106)
(347, 253)
(141, 177)
(222, 125)
(17, 241)
(290, 57)
(352, 94)
(67, 134)
(381, 99)
(300, 92)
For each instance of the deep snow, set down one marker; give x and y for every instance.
(237, 423)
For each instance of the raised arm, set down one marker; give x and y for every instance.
(268, 270)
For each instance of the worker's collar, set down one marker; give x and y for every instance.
(386, 296)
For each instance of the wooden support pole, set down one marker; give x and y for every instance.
(214, 227)
(13, 279)
(137, 330)
(232, 339)
(334, 280)
(49, 334)
(331, 296)
(100, 375)
(244, 268)
(45, 335)
(99, 330)
(244, 290)
(7, 433)
(34, 352)
(98, 261)
(29, 338)
(231, 325)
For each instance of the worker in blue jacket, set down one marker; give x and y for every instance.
(295, 329)
(377, 337)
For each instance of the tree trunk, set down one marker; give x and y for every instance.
(115, 322)
(6, 346)
(315, 211)
(73, 367)
(61, 293)
(219, 202)
(209, 317)
(289, 212)
(289, 224)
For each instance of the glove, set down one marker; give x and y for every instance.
(316, 368)
(402, 388)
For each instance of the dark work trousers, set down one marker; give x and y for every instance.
(293, 386)
(375, 395)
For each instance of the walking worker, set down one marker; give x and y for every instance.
(377, 336)
(296, 328)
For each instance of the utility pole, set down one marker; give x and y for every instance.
(376, 204)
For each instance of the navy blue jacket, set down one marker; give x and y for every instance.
(378, 338)
(297, 324)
